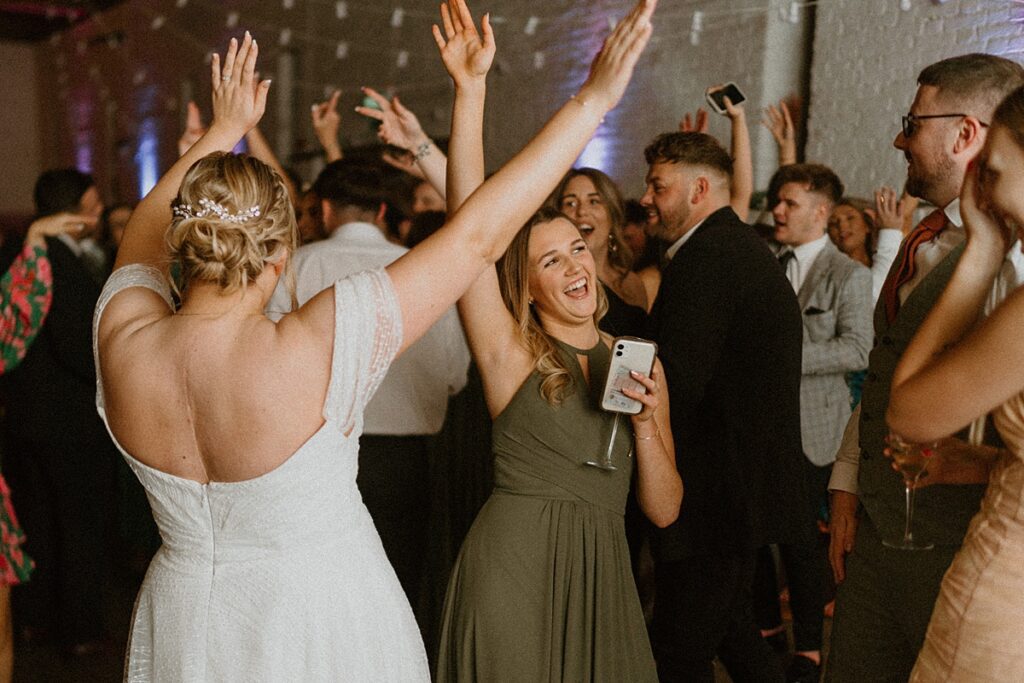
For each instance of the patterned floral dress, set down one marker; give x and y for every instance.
(25, 296)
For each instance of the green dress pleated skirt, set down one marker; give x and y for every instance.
(542, 589)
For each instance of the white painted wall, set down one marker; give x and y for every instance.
(867, 54)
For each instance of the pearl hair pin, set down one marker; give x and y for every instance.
(212, 208)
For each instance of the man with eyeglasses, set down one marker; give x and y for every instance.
(886, 595)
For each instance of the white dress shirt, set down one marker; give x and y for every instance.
(803, 258)
(886, 248)
(413, 397)
(670, 253)
(929, 254)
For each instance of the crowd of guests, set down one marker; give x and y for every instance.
(801, 335)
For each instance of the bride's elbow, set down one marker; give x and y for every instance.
(667, 513)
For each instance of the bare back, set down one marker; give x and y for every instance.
(211, 399)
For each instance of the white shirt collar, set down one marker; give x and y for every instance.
(952, 211)
(358, 231)
(807, 252)
(670, 253)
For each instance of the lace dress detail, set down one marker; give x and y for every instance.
(281, 577)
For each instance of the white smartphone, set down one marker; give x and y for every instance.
(716, 98)
(628, 353)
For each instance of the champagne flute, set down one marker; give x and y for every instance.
(911, 460)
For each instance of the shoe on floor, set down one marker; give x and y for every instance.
(802, 669)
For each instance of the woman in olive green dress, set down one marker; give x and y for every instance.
(542, 589)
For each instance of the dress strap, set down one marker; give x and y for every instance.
(367, 336)
(125, 277)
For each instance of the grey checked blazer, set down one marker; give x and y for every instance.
(835, 303)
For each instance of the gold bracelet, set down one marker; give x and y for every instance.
(648, 438)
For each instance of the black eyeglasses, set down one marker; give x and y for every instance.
(910, 121)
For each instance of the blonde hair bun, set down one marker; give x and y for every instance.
(232, 216)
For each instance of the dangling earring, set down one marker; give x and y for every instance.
(613, 245)
(531, 301)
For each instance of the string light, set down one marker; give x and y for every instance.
(341, 50)
(538, 60)
(403, 59)
(531, 26)
(905, 5)
(232, 20)
(158, 22)
(341, 9)
(285, 38)
(397, 17)
(696, 27)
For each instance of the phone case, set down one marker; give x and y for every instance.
(732, 90)
(628, 353)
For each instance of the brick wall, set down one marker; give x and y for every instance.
(115, 86)
(867, 54)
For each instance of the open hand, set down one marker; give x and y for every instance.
(466, 55)
(194, 128)
(398, 125)
(612, 68)
(238, 99)
(892, 213)
(698, 124)
(779, 122)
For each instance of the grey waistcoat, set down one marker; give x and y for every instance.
(941, 512)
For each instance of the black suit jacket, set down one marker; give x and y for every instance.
(729, 333)
(51, 396)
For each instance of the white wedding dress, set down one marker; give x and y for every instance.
(281, 577)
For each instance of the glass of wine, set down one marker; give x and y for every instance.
(911, 460)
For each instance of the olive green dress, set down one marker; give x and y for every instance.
(542, 589)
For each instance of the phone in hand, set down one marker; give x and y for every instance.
(716, 98)
(628, 353)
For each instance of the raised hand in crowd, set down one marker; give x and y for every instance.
(697, 124)
(892, 213)
(239, 100)
(326, 124)
(742, 188)
(467, 55)
(779, 122)
(400, 127)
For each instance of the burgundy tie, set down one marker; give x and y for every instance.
(933, 224)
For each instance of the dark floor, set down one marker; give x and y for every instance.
(43, 663)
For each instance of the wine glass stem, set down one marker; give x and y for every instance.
(907, 535)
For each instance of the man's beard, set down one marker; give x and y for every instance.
(928, 185)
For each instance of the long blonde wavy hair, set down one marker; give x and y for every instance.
(231, 253)
(514, 279)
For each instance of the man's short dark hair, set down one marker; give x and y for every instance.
(818, 179)
(352, 182)
(977, 82)
(689, 149)
(60, 190)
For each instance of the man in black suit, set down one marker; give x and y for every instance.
(730, 335)
(57, 455)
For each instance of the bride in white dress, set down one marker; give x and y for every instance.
(245, 432)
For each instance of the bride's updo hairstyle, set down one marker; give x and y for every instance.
(232, 217)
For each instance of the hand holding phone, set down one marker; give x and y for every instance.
(628, 354)
(716, 95)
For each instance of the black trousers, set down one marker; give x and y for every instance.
(64, 495)
(807, 573)
(394, 482)
(703, 609)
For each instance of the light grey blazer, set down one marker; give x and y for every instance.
(835, 303)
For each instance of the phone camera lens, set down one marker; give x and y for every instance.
(621, 347)
(618, 353)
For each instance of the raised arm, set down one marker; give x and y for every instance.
(400, 127)
(436, 273)
(326, 123)
(238, 105)
(743, 164)
(981, 368)
(490, 328)
(778, 121)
